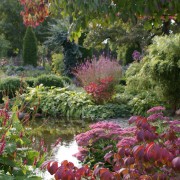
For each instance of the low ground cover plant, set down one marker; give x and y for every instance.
(149, 150)
(70, 103)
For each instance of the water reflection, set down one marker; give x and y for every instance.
(50, 130)
(66, 151)
(63, 152)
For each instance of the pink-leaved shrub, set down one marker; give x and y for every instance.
(98, 77)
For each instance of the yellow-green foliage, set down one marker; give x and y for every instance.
(162, 65)
(57, 63)
(137, 80)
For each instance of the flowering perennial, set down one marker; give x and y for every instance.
(136, 55)
(149, 150)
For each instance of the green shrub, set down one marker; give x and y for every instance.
(30, 48)
(4, 46)
(58, 63)
(66, 103)
(121, 98)
(133, 69)
(119, 88)
(66, 79)
(57, 101)
(30, 81)
(9, 86)
(123, 81)
(137, 80)
(143, 101)
(49, 80)
(162, 65)
(34, 73)
(106, 111)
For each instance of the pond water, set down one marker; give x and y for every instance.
(52, 129)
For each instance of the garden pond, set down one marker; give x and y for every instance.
(52, 130)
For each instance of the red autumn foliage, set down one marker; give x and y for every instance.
(150, 152)
(35, 12)
(101, 91)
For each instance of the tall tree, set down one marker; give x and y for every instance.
(73, 53)
(30, 48)
(11, 24)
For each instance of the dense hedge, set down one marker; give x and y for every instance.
(49, 80)
(30, 81)
(9, 86)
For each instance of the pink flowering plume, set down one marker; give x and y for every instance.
(156, 109)
(98, 77)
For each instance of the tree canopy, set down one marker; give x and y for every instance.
(89, 13)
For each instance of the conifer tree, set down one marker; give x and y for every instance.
(30, 48)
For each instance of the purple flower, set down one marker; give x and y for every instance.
(175, 126)
(136, 55)
(175, 122)
(154, 117)
(155, 109)
(105, 125)
(81, 154)
(127, 141)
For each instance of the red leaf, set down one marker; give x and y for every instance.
(129, 160)
(176, 164)
(46, 163)
(52, 168)
(140, 135)
(153, 151)
(108, 156)
(105, 174)
(145, 177)
(121, 152)
(138, 152)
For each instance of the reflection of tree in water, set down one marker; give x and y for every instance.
(52, 129)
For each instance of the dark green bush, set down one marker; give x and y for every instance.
(30, 81)
(119, 88)
(19, 68)
(49, 80)
(123, 81)
(67, 79)
(106, 111)
(9, 86)
(128, 55)
(30, 48)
